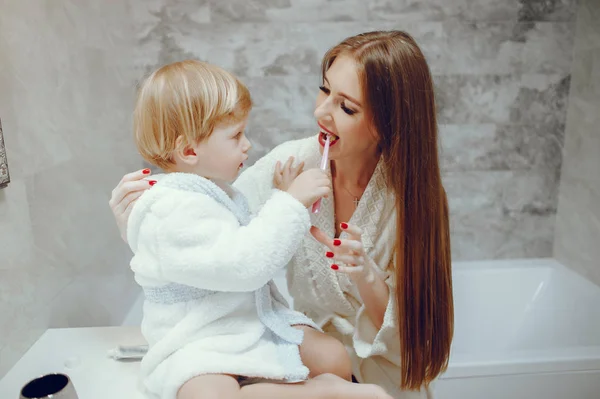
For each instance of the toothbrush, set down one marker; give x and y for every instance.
(317, 205)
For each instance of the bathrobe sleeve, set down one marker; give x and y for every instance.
(256, 182)
(200, 243)
(385, 341)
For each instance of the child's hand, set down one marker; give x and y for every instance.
(284, 176)
(309, 186)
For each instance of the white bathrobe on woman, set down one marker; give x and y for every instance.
(329, 297)
(206, 267)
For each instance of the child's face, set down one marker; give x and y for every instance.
(223, 154)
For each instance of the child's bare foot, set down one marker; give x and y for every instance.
(331, 386)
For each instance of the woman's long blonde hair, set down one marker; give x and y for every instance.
(398, 89)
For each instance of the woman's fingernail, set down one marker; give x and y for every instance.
(152, 182)
(334, 267)
(344, 226)
(329, 254)
(146, 171)
(337, 243)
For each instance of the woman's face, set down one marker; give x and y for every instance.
(340, 111)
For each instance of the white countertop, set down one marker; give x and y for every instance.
(81, 353)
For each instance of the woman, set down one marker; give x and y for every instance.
(378, 275)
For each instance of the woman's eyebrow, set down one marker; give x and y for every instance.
(344, 94)
(350, 98)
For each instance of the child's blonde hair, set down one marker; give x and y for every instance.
(187, 99)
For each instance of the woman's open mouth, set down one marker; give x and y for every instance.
(323, 137)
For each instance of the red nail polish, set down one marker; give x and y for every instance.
(344, 226)
(329, 254)
(334, 267)
(146, 171)
(152, 182)
(337, 243)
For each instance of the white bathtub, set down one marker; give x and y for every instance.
(524, 329)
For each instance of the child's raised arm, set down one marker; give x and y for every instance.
(199, 243)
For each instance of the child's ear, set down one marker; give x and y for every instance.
(185, 152)
(189, 151)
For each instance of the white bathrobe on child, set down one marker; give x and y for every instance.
(206, 268)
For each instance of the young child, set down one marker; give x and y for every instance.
(213, 318)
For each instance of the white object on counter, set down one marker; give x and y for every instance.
(128, 352)
(81, 354)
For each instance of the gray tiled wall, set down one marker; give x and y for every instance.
(578, 218)
(502, 72)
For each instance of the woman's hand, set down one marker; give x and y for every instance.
(363, 271)
(284, 176)
(129, 189)
(349, 252)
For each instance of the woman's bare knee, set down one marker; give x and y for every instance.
(210, 386)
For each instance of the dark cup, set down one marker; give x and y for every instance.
(55, 386)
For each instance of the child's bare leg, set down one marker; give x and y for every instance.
(323, 354)
(210, 386)
(324, 386)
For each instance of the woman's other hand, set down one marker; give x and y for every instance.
(348, 254)
(124, 195)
